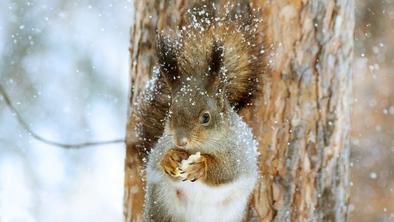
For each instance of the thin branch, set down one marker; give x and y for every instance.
(44, 140)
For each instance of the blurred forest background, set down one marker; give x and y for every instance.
(65, 65)
(372, 134)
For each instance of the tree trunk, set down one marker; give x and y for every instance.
(301, 122)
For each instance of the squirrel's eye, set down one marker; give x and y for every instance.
(205, 118)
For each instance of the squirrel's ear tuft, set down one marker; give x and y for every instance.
(166, 51)
(215, 65)
(216, 59)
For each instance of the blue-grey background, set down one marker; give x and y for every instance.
(65, 66)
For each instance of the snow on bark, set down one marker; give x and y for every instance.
(301, 121)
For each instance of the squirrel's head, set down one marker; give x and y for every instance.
(195, 115)
(199, 107)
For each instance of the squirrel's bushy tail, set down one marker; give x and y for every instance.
(235, 27)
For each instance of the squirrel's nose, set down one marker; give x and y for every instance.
(181, 141)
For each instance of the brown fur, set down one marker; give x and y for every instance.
(208, 169)
(150, 113)
(224, 55)
(215, 167)
(241, 62)
(211, 66)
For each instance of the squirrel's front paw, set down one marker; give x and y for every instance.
(194, 168)
(172, 161)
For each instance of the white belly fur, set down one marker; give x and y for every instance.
(199, 202)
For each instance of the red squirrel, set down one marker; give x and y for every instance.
(203, 167)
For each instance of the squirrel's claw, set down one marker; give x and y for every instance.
(187, 170)
(172, 161)
(195, 170)
(168, 171)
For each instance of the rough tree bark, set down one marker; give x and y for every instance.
(301, 122)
